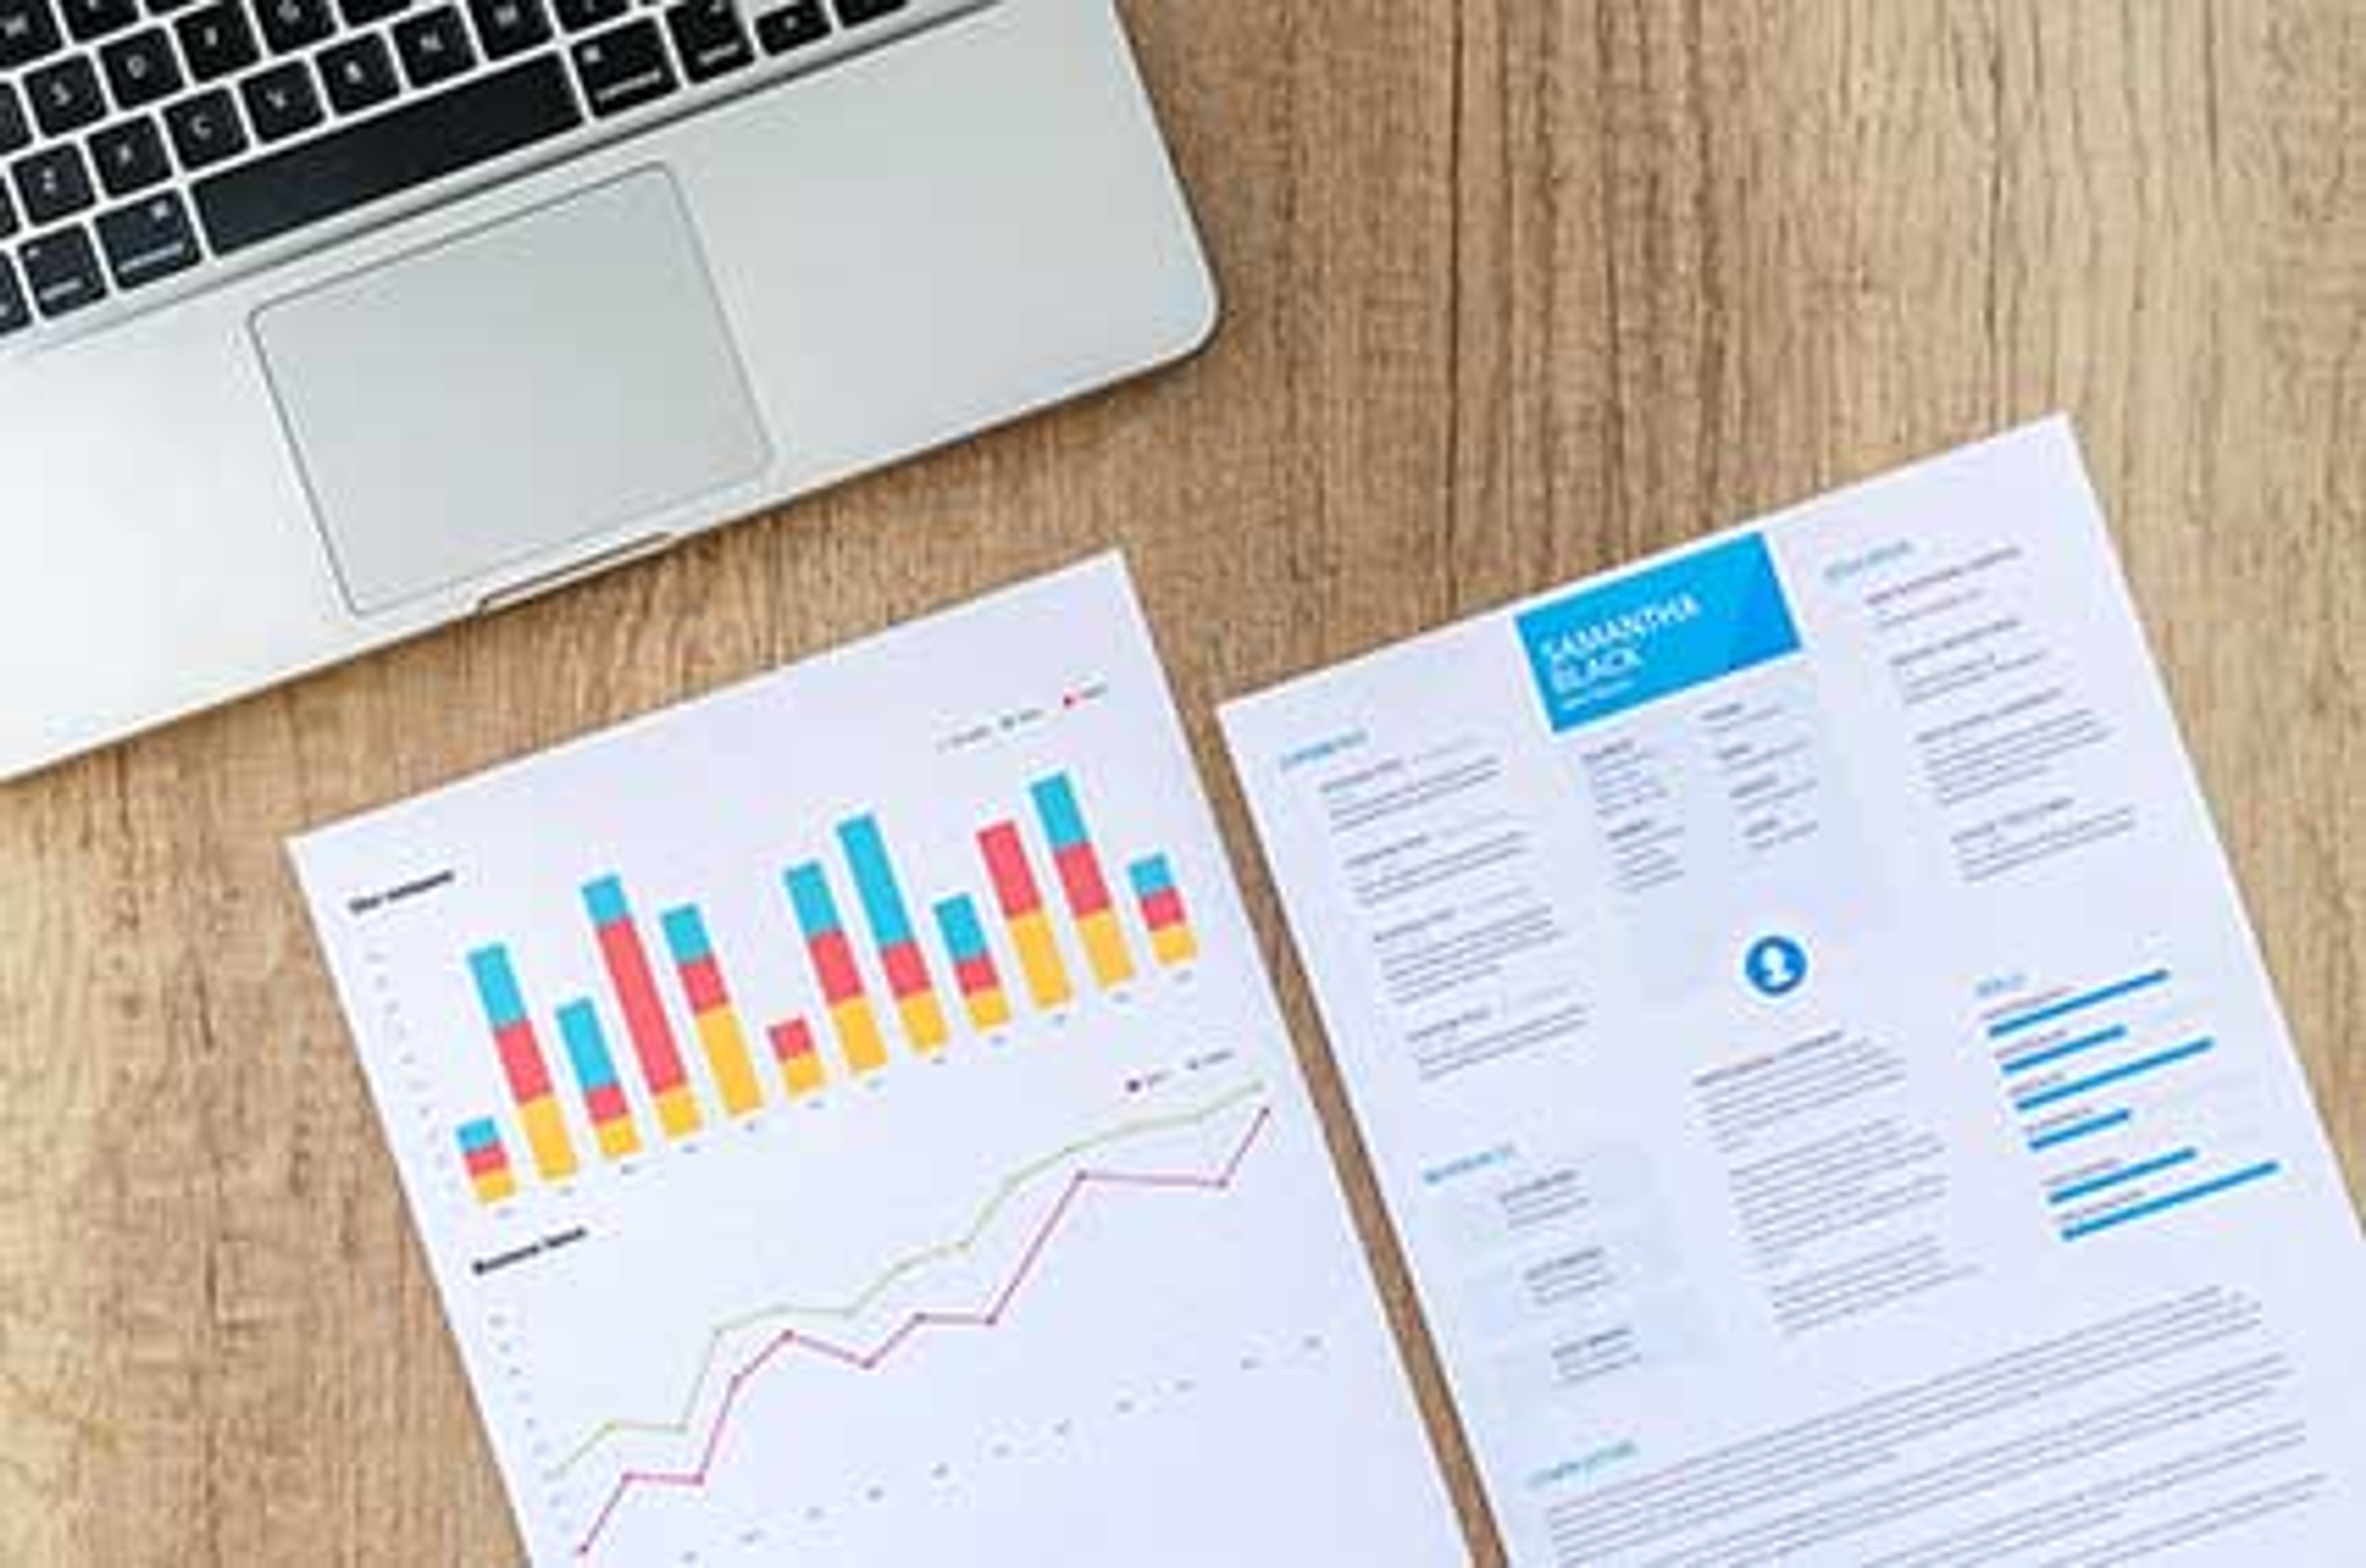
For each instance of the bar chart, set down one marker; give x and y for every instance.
(848, 1124)
(2110, 1083)
(877, 987)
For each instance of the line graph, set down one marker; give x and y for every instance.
(1007, 1192)
(695, 1477)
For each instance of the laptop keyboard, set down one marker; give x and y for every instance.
(143, 139)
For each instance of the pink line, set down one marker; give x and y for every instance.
(870, 1360)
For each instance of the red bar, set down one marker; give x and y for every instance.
(1006, 861)
(907, 971)
(522, 1063)
(1080, 877)
(978, 974)
(485, 1161)
(792, 1040)
(645, 1016)
(607, 1103)
(1162, 908)
(702, 982)
(833, 959)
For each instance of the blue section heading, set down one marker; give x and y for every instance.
(1607, 650)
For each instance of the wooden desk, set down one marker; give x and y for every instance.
(1517, 288)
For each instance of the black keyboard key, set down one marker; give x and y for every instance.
(580, 15)
(709, 38)
(623, 68)
(218, 41)
(421, 140)
(91, 19)
(364, 13)
(282, 101)
(291, 25)
(142, 69)
(53, 183)
(66, 95)
(798, 25)
(16, 130)
(166, 7)
(434, 48)
(205, 130)
(131, 157)
(7, 213)
(61, 272)
(147, 241)
(360, 74)
(29, 32)
(505, 27)
(15, 311)
(854, 13)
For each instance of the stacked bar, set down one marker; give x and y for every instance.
(487, 1161)
(1022, 901)
(834, 969)
(596, 1074)
(1172, 941)
(1079, 865)
(800, 1063)
(973, 967)
(716, 1020)
(627, 962)
(890, 927)
(522, 1064)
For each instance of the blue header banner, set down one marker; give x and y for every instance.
(1607, 650)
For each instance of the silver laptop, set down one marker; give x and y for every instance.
(324, 323)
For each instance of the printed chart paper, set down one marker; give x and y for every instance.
(1819, 1062)
(851, 1127)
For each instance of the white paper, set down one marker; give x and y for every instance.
(1072, 1290)
(1818, 1060)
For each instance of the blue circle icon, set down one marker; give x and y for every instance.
(1775, 966)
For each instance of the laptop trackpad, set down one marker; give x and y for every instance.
(514, 393)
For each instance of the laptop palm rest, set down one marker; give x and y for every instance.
(515, 396)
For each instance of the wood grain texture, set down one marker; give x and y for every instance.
(1516, 288)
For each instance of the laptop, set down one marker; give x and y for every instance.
(327, 322)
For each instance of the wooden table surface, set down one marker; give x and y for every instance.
(1517, 288)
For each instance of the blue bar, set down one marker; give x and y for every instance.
(874, 881)
(497, 985)
(479, 1135)
(2141, 1066)
(685, 934)
(1151, 876)
(816, 911)
(2171, 1200)
(2068, 1048)
(965, 937)
(1063, 820)
(2138, 1172)
(2116, 1074)
(605, 900)
(2076, 1130)
(2077, 1004)
(587, 1046)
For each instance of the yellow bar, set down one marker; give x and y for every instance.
(618, 1138)
(1105, 948)
(678, 1112)
(545, 1134)
(990, 1010)
(805, 1074)
(1039, 959)
(924, 1021)
(496, 1186)
(859, 1036)
(726, 1054)
(1176, 945)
